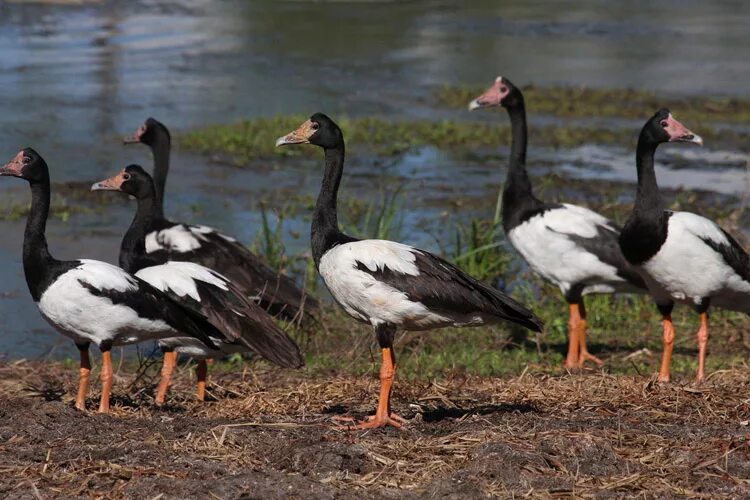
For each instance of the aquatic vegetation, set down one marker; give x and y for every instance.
(248, 140)
(620, 103)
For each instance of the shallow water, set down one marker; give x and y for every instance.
(74, 79)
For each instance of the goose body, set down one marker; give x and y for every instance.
(576, 249)
(388, 284)
(683, 257)
(100, 303)
(570, 246)
(242, 325)
(167, 240)
(384, 282)
(698, 262)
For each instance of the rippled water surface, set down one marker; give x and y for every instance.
(75, 78)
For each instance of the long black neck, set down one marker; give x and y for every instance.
(160, 149)
(518, 198)
(36, 257)
(133, 255)
(646, 229)
(325, 231)
(648, 202)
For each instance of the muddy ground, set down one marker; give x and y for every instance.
(262, 436)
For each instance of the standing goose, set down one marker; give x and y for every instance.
(682, 256)
(209, 247)
(387, 284)
(570, 246)
(92, 301)
(244, 325)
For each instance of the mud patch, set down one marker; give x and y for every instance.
(564, 435)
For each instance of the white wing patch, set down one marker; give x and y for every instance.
(181, 238)
(379, 254)
(103, 276)
(544, 243)
(181, 277)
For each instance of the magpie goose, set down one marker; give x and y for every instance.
(570, 246)
(387, 284)
(244, 325)
(682, 256)
(167, 240)
(92, 301)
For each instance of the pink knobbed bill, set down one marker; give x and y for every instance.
(14, 166)
(679, 132)
(493, 96)
(136, 137)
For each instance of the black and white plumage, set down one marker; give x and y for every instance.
(243, 325)
(91, 301)
(683, 257)
(209, 247)
(387, 284)
(571, 246)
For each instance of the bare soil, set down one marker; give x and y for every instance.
(266, 435)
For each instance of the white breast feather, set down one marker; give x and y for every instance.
(181, 277)
(687, 269)
(544, 243)
(75, 311)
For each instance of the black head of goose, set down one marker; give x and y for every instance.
(244, 325)
(210, 247)
(387, 284)
(571, 246)
(684, 257)
(92, 301)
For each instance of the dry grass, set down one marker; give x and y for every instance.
(580, 435)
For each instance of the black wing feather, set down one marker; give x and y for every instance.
(733, 254)
(441, 285)
(242, 321)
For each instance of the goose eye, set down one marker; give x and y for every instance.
(315, 126)
(503, 89)
(125, 176)
(663, 123)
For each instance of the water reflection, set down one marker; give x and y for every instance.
(73, 79)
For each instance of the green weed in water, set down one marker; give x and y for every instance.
(616, 103)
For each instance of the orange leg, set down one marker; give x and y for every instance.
(666, 358)
(201, 372)
(383, 416)
(702, 345)
(573, 343)
(167, 368)
(83, 378)
(584, 352)
(106, 381)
